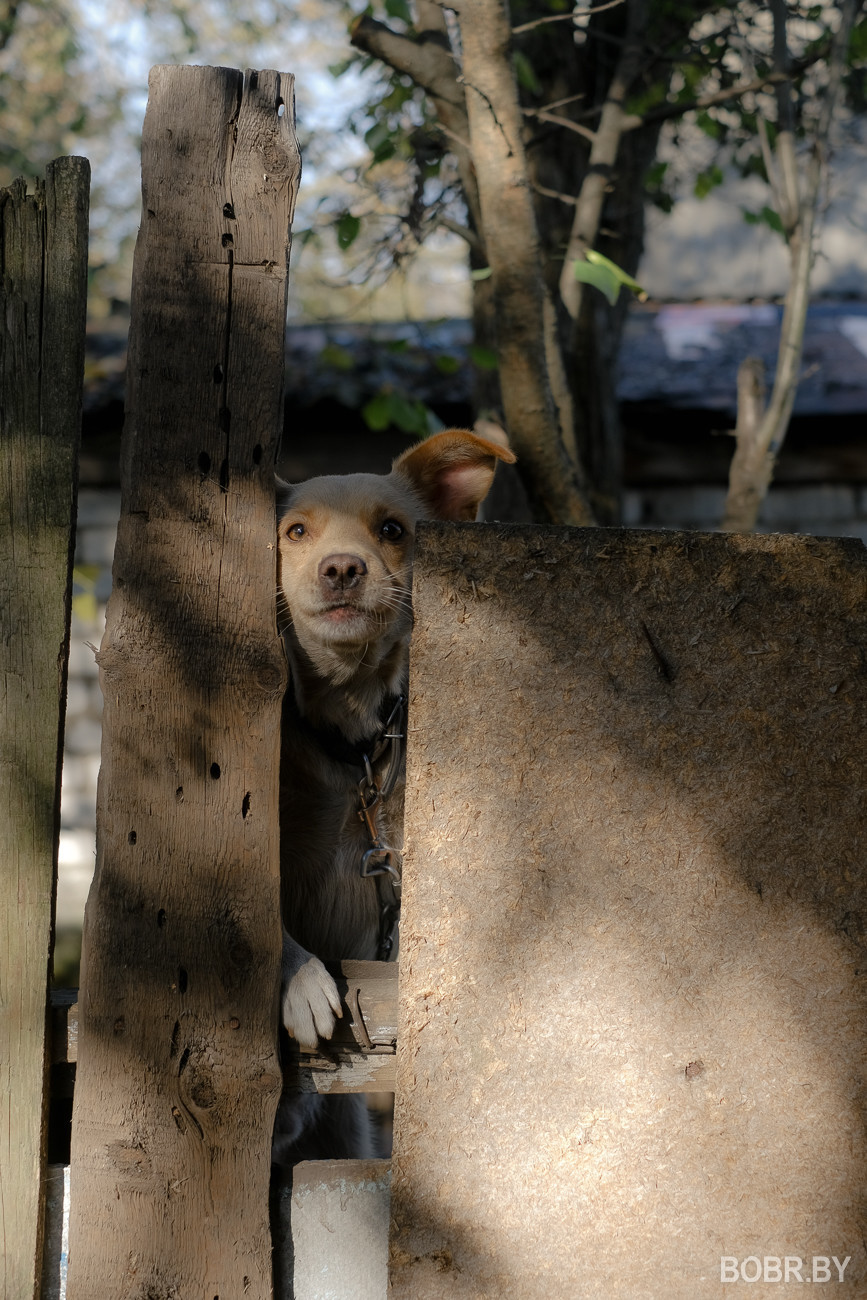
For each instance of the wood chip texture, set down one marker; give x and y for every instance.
(632, 967)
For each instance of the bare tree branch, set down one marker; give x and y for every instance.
(603, 155)
(559, 103)
(428, 60)
(8, 18)
(570, 17)
(463, 232)
(754, 460)
(664, 112)
(431, 65)
(555, 194)
(768, 159)
(544, 116)
(787, 161)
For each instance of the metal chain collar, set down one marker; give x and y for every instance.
(381, 861)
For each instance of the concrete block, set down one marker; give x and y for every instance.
(632, 1033)
(340, 1229)
(55, 1249)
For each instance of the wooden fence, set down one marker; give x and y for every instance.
(43, 256)
(631, 1019)
(178, 1072)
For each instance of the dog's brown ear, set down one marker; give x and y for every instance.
(453, 471)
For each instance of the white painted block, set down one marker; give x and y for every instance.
(340, 1215)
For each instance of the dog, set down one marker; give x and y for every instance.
(345, 555)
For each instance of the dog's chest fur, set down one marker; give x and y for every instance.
(329, 907)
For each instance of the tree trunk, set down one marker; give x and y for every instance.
(43, 254)
(552, 479)
(178, 1075)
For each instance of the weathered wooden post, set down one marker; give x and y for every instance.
(178, 1075)
(43, 255)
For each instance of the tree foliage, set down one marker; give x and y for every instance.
(599, 97)
(593, 88)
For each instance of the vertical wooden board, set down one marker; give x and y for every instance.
(632, 1034)
(43, 255)
(178, 1075)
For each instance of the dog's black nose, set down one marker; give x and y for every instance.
(340, 572)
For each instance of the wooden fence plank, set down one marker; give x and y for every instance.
(632, 1021)
(43, 255)
(178, 1075)
(359, 1058)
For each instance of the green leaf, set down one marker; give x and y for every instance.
(525, 73)
(655, 174)
(483, 273)
(377, 412)
(707, 181)
(484, 358)
(380, 141)
(410, 416)
(84, 605)
(710, 126)
(348, 227)
(858, 43)
(85, 576)
(597, 259)
(389, 409)
(772, 219)
(767, 217)
(447, 365)
(600, 277)
(655, 189)
(334, 355)
(398, 9)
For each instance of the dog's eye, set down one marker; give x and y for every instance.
(296, 531)
(391, 530)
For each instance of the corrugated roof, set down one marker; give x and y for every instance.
(674, 355)
(686, 355)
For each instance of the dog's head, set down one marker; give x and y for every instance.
(346, 543)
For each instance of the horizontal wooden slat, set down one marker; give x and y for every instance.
(64, 1026)
(359, 1058)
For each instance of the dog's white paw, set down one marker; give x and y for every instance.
(311, 1004)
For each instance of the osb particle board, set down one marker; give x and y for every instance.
(632, 950)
